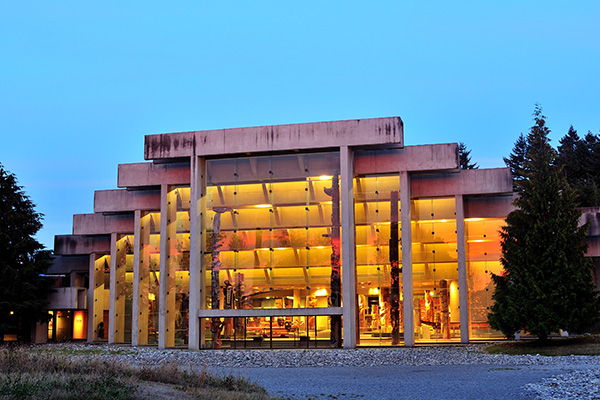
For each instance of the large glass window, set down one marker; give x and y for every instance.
(149, 278)
(483, 259)
(178, 265)
(273, 237)
(101, 297)
(435, 270)
(378, 259)
(123, 288)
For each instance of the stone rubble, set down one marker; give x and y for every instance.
(584, 384)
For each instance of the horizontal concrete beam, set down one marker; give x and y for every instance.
(360, 132)
(591, 216)
(149, 174)
(488, 206)
(434, 157)
(466, 182)
(271, 312)
(126, 200)
(99, 224)
(73, 245)
(65, 298)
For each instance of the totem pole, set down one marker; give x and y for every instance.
(395, 269)
(216, 325)
(336, 292)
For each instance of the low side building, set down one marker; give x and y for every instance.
(307, 235)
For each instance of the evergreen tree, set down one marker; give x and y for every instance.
(516, 162)
(464, 157)
(23, 292)
(546, 284)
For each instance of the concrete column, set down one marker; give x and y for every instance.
(463, 290)
(407, 273)
(135, 303)
(349, 308)
(113, 287)
(91, 306)
(197, 207)
(162, 291)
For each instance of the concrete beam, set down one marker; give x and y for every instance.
(73, 245)
(149, 174)
(488, 206)
(126, 200)
(333, 134)
(466, 182)
(434, 157)
(67, 264)
(98, 224)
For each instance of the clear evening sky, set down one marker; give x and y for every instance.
(82, 82)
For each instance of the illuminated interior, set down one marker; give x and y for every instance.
(483, 259)
(149, 276)
(123, 288)
(101, 297)
(435, 270)
(271, 237)
(378, 260)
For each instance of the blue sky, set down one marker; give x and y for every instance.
(81, 83)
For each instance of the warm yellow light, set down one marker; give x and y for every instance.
(325, 177)
(280, 248)
(476, 241)
(321, 292)
(431, 293)
(319, 247)
(262, 205)
(444, 220)
(373, 291)
(151, 296)
(12, 312)
(473, 219)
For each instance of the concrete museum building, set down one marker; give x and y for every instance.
(307, 235)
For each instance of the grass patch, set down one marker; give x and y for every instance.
(26, 374)
(579, 346)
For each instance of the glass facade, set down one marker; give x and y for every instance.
(149, 278)
(378, 259)
(483, 259)
(435, 270)
(123, 294)
(273, 242)
(101, 297)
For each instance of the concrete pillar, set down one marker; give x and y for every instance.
(463, 290)
(162, 296)
(197, 207)
(349, 310)
(113, 287)
(135, 303)
(407, 274)
(91, 306)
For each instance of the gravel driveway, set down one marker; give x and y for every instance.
(437, 372)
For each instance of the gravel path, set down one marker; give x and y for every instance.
(422, 372)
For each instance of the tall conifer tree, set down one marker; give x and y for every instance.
(23, 292)
(546, 284)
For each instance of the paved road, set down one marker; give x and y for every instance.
(401, 382)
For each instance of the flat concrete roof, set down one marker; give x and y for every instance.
(317, 135)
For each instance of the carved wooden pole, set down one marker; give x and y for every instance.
(335, 283)
(395, 269)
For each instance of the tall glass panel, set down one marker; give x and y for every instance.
(483, 259)
(378, 259)
(101, 297)
(435, 270)
(273, 240)
(149, 278)
(178, 265)
(123, 288)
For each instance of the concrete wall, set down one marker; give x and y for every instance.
(150, 174)
(66, 298)
(71, 245)
(435, 157)
(126, 200)
(319, 135)
(99, 224)
(465, 182)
